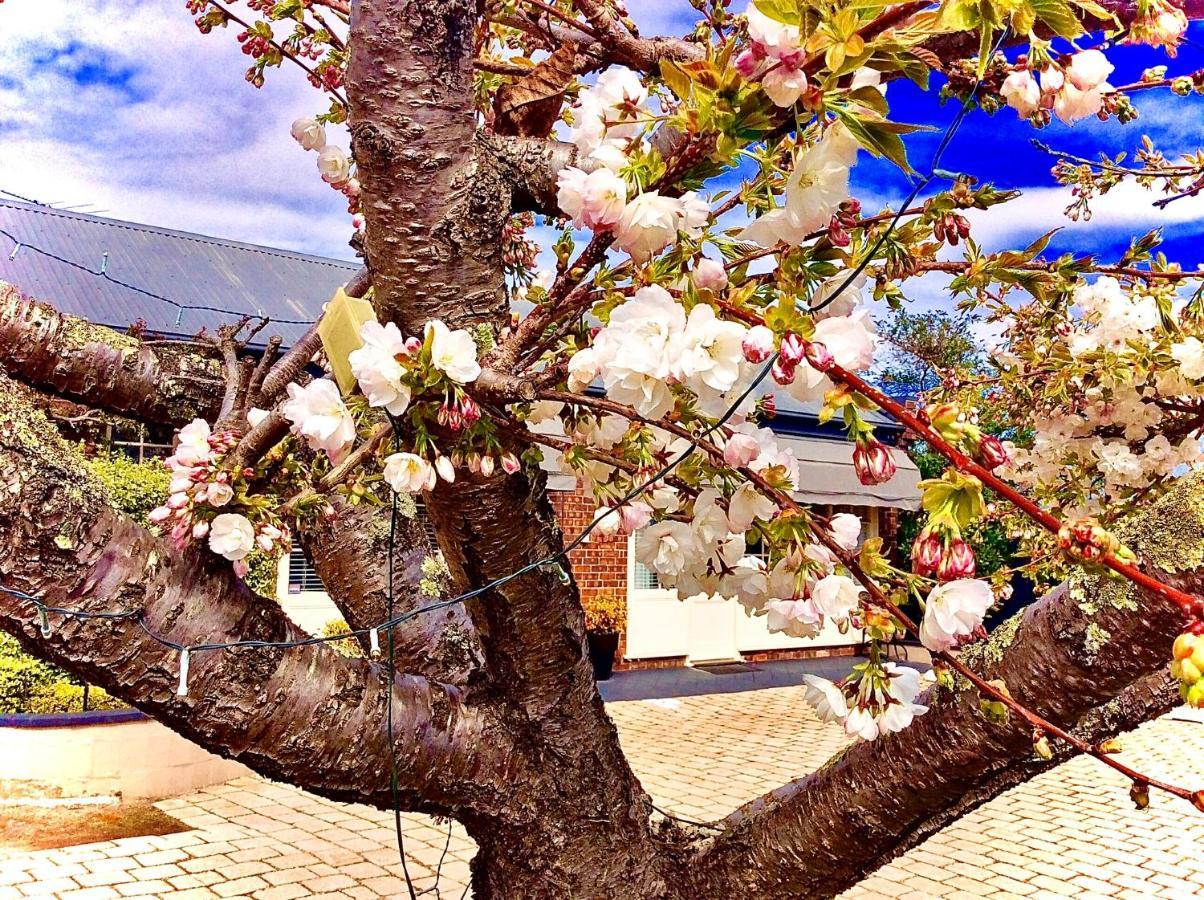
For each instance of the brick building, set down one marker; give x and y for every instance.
(119, 273)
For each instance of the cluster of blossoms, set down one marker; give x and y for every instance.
(201, 488)
(709, 555)
(393, 370)
(1128, 377)
(814, 191)
(1158, 24)
(1073, 90)
(651, 351)
(334, 165)
(610, 119)
(776, 53)
(874, 700)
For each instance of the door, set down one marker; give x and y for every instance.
(711, 629)
(702, 629)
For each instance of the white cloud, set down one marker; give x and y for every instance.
(1125, 210)
(125, 107)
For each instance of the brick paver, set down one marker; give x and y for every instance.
(1069, 832)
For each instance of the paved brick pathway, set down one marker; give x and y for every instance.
(1070, 832)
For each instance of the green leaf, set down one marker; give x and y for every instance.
(674, 76)
(785, 11)
(878, 138)
(1058, 15)
(959, 15)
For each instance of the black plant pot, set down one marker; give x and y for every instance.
(603, 645)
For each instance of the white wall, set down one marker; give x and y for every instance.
(140, 759)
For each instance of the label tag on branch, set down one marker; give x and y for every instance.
(339, 330)
(182, 688)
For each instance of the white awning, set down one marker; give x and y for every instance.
(827, 476)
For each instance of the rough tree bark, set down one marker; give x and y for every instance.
(499, 723)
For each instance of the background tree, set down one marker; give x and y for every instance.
(484, 708)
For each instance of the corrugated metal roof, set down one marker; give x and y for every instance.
(189, 269)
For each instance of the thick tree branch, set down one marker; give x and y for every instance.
(434, 226)
(1082, 644)
(434, 216)
(1142, 701)
(348, 549)
(304, 715)
(531, 165)
(55, 353)
(622, 47)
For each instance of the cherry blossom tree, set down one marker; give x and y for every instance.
(644, 362)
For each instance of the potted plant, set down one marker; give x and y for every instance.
(605, 619)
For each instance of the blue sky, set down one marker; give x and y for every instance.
(123, 107)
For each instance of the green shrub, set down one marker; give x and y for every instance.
(28, 685)
(346, 647)
(263, 569)
(134, 488)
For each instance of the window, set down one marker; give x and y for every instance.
(302, 578)
(142, 442)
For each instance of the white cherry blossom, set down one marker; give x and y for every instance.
(953, 611)
(408, 473)
(454, 353)
(232, 536)
(318, 414)
(375, 366)
(825, 698)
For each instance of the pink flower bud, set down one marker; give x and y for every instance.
(992, 452)
(740, 450)
(487, 466)
(709, 275)
(199, 530)
(469, 410)
(782, 373)
(872, 462)
(791, 352)
(635, 515)
(510, 464)
(159, 514)
(757, 344)
(818, 356)
(177, 501)
(748, 61)
(474, 463)
(926, 553)
(446, 470)
(957, 561)
(413, 345)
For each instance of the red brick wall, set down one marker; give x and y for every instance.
(600, 564)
